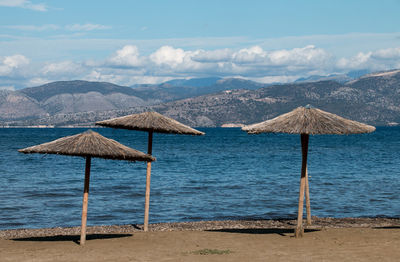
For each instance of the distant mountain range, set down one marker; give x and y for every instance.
(372, 98)
(65, 97)
(180, 89)
(341, 78)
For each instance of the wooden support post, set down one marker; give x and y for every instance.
(308, 206)
(304, 149)
(148, 176)
(85, 201)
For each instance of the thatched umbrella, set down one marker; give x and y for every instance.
(152, 122)
(308, 121)
(88, 144)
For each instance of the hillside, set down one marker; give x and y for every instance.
(180, 89)
(44, 92)
(373, 98)
(64, 97)
(15, 105)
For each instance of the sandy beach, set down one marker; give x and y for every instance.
(329, 239)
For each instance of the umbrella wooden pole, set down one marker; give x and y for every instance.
(85, 201)
(148, 175)
(308, 206)
(304, 149)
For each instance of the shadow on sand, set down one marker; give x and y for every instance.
(279, 231)
(389, 227)
(74, 238)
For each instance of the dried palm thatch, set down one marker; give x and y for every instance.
(151, 122)
(307, 121)
(90, 144)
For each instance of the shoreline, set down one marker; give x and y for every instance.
(317, 223)
(328, 239)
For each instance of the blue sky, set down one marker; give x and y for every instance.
(131, 42)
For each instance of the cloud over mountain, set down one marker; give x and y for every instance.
(9, 65)
(127, 66)
(128, 56)
(381, 59)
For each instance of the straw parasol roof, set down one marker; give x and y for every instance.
(309, 120)
(90, 144)
(150, 121)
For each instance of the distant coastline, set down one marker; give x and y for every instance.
(232, 125)
(35, 126)
(392, 124)
(52, 126)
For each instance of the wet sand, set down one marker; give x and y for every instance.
(376, 239)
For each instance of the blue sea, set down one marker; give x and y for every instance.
(226, 174)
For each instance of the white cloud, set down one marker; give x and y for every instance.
(127, 66)
(33, 27)
(382, 59)
(10, 64)
(80, 46)
(275, 79)
(219, 55)
(148, 79)
(254, 54)
(48, 27)
(117, 77)
(309, 55)
(15, 61)
(96, 75)
(356, 62)
(37, 81)
(62, 69)
(124, 79)
(255, 61)
(170, 61)
(24, 4)
(389, 53)
(86, 27)
(167, 55)
(127, 56)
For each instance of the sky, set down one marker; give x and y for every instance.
(148, 42)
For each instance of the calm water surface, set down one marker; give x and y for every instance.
(225, 174)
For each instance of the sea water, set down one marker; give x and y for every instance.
(226, 174)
